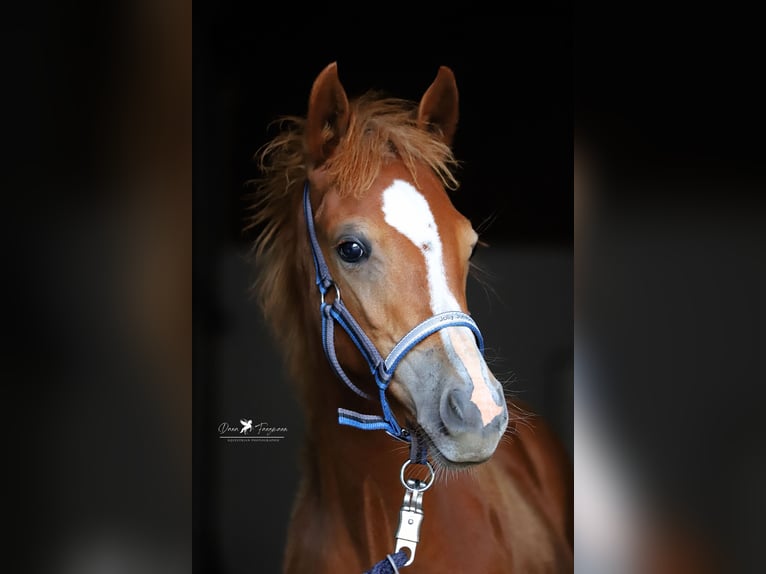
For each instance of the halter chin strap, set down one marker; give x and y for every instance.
(382, 369)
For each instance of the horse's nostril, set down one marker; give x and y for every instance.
(455, 405)
(458, 413)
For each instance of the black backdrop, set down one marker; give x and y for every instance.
(513, 71)
(252, 65)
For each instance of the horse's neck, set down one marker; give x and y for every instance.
(345, 463)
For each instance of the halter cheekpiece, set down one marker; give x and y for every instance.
(382, 369)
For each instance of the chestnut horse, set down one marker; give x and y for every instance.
(358, 231)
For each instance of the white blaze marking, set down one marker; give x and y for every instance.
(406, 210)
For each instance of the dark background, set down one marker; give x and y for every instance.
(514, 76)
(514, 138)
(670, 276)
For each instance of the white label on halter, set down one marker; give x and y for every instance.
(406, 210)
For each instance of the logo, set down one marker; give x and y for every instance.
(247, 431)
(247, 426)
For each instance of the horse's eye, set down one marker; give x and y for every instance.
(351, 251)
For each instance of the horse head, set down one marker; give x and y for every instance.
(379, 173)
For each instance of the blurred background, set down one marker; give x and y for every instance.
(514, 140)
(96, 359)
(670, 276)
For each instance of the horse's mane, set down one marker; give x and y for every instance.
(380, 130)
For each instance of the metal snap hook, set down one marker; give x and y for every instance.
(410, 518)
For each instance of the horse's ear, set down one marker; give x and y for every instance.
(328, 115)
(438, 110)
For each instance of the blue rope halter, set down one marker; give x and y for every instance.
(382, 369)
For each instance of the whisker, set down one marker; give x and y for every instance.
(486, 223)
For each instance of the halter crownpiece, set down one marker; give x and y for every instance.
(382, 369)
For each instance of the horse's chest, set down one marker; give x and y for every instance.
(501, 533)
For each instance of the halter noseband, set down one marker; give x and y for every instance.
(382, 369)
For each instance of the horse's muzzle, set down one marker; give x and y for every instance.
(464, 438)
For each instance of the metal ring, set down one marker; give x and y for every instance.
(428, 484)
(337, 293)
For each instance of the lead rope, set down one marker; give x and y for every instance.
(390, 564)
